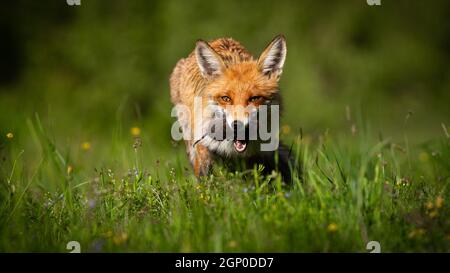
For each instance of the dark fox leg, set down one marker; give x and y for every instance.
(284, 164)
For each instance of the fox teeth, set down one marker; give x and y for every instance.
(240, 146)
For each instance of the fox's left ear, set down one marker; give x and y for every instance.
(272, 59)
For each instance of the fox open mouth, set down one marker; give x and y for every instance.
(240, 145)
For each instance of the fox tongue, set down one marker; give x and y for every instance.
(240, 145)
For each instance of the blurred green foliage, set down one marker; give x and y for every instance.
(83, 67)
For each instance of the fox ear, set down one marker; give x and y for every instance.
(209, 62)
(272, 59)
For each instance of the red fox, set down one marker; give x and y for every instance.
(228, 81)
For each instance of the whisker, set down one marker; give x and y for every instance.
(195, 143)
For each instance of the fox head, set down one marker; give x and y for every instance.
(237, 89)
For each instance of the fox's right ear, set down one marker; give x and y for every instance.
(209, 62)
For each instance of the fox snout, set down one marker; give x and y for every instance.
(241, 135)
(223, 128)
(228, 128)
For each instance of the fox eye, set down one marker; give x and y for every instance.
(226, 98)
(254, 98)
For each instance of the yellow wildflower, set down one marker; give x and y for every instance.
(86, 145)
(433, 214)
(416, 233)
(9, 135)
(332, 228)
(424, 157)
(285, 129)
(232, 244)
(135, 131)
(120, 238)
(439, 202)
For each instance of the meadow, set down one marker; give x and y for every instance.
(349, 193)
(86, 153)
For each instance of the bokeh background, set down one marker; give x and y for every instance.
(93, 71)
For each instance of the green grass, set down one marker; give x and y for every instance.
(122, 195)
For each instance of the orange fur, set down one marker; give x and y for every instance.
(237, 75)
